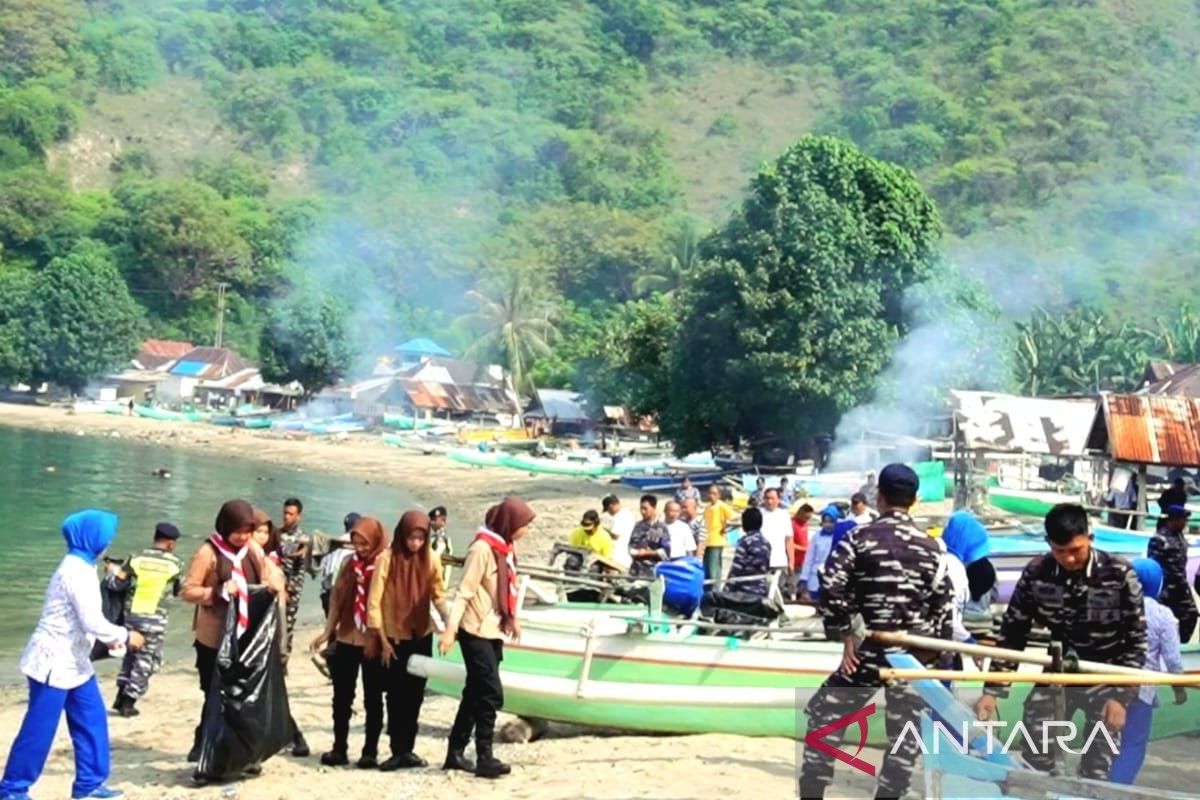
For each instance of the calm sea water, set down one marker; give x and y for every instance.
(44, 477)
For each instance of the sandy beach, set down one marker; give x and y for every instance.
(149, 750)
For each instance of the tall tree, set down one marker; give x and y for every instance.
(513, 322)
(307, 341)
(798, 305)
(80, 321)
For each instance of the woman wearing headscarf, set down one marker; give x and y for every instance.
(966, 539)
(407, 581)
(484, 611)
(1162, 654)
(218, 575)
(819, 548)
(357, 647)
(57, 665)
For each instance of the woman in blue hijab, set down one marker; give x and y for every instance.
(967, 540)
(57, 665)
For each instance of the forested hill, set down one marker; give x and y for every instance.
(399, 153)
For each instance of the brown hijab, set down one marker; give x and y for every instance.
(410, 578)
(370, 529)
(505, 520)
(235, 515)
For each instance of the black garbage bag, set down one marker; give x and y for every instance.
(246, 715)
(739, 608)
(112, 604)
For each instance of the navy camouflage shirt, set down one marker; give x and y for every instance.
(752, 557)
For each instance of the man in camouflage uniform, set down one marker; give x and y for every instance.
(1169, 547)
(147, 580)
(892, 574)
(751, 558)
(1090, 601)
(296, 551)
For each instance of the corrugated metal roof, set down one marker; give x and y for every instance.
(157, 353)
(559, 404)
(422, 347)
(215, 362)
(1184, 381)
(1156, 430)
(1008, 423)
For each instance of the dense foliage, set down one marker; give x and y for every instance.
(490, 174)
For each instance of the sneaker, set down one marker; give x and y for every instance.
(101, 792)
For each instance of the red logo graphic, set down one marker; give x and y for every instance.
(817, 739)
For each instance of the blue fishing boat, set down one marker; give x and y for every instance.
(670, 481)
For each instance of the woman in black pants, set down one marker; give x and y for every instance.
(357, 646)
(483, 613)
(408, 579)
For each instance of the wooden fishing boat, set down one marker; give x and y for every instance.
(475, 458)
(1027, 502)
(670, 481)
(166, 415)
(607, 666)
(1010, 552)
(553, 466)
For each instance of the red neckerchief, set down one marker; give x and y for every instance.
(241, 596)
(363, 570)
(506, 576)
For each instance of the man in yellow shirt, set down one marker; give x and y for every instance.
(589, 534)
(717, 517)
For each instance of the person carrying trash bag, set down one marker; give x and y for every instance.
(247, 718)
(231, 624)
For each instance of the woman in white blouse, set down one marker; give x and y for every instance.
(57, 664)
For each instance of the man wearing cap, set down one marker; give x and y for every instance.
(439, 540)
(147, 580)
(891, 573)
(1169, 547)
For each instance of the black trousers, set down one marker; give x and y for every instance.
(206, 666)
(405, 693)
(345, 666)
(482, 696)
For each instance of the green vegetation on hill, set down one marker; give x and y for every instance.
(410, 160)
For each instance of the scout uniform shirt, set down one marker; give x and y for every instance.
(153, 577)
(1097, 612)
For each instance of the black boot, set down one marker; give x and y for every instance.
(403, 761)
(299, 746)
(336, 757)
(125, 706)
(486, 764)
(457, 759)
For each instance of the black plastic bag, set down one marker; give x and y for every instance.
(246, 716)
(112, 605)
(739, 608)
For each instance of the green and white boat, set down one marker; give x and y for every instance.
(1027, 502)
(597, 665)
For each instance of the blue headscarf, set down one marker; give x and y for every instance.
(841, 529)
(832, 512)
(965, 537)
(1150, 573)
(89, 533)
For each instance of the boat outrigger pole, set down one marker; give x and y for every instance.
(906, 640)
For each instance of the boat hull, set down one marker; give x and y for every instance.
(672, 683)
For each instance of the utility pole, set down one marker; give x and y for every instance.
(221, 287)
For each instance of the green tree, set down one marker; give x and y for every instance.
(306, 340)
(513, 322)
(80, 320)
(15, 288)
(635, 356)
(680, 263)
(799, 303)
(1079, 350)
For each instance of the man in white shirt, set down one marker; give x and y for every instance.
(619, 523)
(860, 512)
(683, 541)
(777, 530)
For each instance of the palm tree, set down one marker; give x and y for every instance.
(513, 322)
(683, 256)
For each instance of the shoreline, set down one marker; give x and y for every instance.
(430, 480)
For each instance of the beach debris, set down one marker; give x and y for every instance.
(51, 469)
(161, 472)
(522, 730)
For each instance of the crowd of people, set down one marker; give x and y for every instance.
(379, 595)
(386, 598)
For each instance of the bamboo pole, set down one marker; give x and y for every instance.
(1046, 678)
(900, 639)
